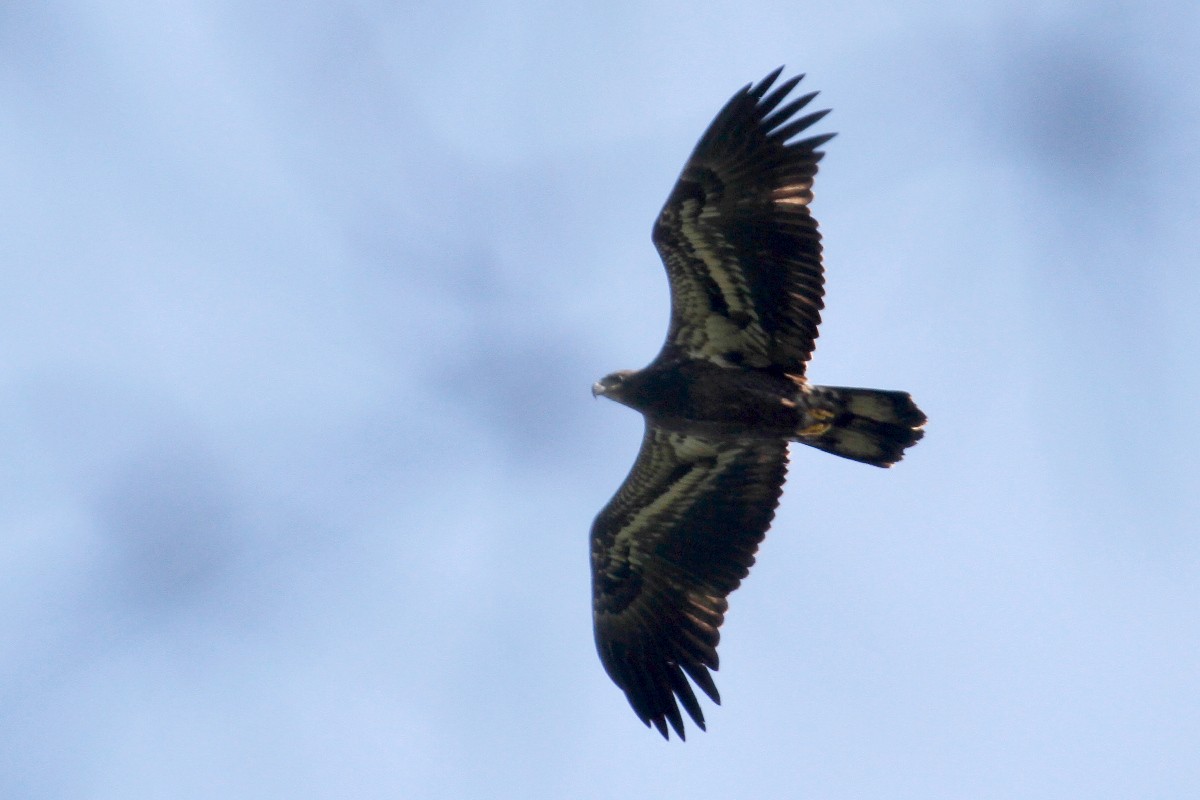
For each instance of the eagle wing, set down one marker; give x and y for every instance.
(741, 249)
(679, 536)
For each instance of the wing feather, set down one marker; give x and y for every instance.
(742, 251)
(677, 538)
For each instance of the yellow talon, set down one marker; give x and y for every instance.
(814, 430)
(820, 426)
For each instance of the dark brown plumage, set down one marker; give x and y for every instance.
(722, 400)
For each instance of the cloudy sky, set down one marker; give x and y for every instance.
(300, 305)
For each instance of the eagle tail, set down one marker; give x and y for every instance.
(868, 425)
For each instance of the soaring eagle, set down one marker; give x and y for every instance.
(721, 402)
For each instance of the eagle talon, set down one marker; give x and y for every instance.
(823, 421)
(817, 429)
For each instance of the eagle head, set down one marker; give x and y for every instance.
(610, 385)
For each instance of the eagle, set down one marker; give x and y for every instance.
(722, 401)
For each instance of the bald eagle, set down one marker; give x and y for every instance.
(721, 402)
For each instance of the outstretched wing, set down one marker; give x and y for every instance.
(741, 249)
(677, 538)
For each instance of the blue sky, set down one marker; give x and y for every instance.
(300, 309)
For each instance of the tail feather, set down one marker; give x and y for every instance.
(868, 425)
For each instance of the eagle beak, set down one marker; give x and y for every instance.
(597, 389)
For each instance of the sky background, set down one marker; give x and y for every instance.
(300, 306)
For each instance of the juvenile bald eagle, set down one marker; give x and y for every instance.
(721, 402)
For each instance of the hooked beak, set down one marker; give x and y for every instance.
(597, 389)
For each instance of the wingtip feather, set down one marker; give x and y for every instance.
(760, 88)
(785, 132)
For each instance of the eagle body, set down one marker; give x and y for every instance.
(721, 402)
(700, 398)
(704, 399)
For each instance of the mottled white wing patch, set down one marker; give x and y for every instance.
(697, 466)
(730, 336)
